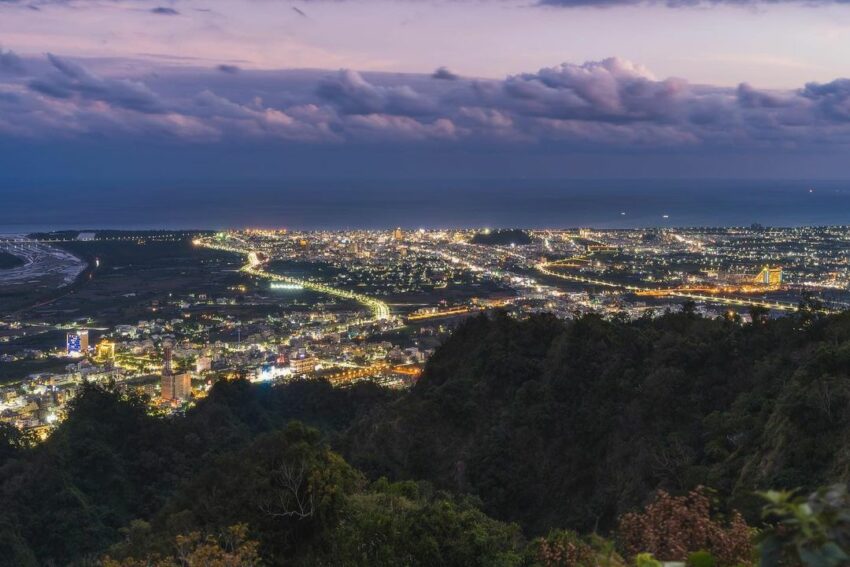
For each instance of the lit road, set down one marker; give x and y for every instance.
(544, 268)
(256, 267)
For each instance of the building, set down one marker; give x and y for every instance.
(282, 358)
(398, 235)
(769, 276)
(202, 364)
(167, 355)
(182, 386)
(77, 343)
(172, 385)
(302, 364)
(176, 387)
(105, 350)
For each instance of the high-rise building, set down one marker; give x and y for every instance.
(72, 343)
(176, 387)
(398, 235)
(168, 384)
(182, 386)
(167, 353)
(77, 343)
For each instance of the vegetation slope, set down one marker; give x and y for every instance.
(515, 429)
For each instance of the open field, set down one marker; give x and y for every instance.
(128, 278)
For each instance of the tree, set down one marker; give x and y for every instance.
(671, 527)
(231, 548)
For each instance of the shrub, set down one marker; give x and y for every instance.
(813, 530)
(563, 549)
(701, 558)
(646, 560)
(671, 527)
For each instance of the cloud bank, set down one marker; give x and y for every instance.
(612, 104)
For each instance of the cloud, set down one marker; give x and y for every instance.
(10, 63)
(613, 90)
(444, 74)
(679, 3)
(229, 69)
(70, 80)
(352, 94)
(607, 105)
(164, 11)
(831, 100)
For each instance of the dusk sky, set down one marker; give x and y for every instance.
(105, 90)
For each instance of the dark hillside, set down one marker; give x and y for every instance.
(545, 423)
(569, 424)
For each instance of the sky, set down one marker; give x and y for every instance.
(135, 92)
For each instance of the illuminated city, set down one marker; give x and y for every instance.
(372, 305)
(424, 283)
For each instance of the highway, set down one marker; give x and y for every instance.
(256, 267)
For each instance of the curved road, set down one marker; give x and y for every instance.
(380, 310)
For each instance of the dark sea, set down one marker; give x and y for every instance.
(429, 204)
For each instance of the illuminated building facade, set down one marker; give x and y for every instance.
(302, 364)
(105, 350)
(769, 276)
(176, 387)
(77, 343)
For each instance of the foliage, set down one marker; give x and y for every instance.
(701, 558)
(398, 524)
(565, 548)
(573, 423)
(111, 463)
(231, 549)
(646, 560)
(529, 427)
(13, 442)
(673, 527)
(812, 531)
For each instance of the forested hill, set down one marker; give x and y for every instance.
(544, 423)
(569, 424)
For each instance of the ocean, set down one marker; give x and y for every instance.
(429, 204)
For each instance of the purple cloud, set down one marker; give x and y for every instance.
(352, 94)
(10, 63)
(164, 11)
(678, 3)
(611, 103)
(70, 80)
(444, 74)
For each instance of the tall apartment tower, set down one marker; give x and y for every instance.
(167, 391)
(167, 354)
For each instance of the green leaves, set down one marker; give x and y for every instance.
(812, 531)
